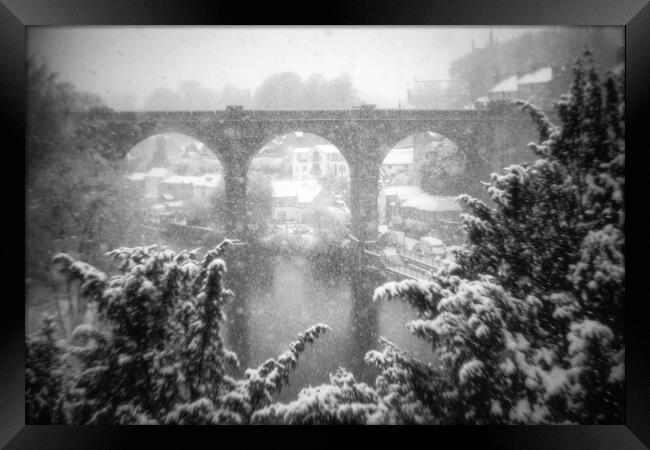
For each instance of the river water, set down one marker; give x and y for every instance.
(278, 296)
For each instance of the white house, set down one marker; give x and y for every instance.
(537, 87)
(541, 87)
(505, 90)
(540, 76)
(318, 161)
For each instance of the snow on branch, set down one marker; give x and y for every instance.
(422, 295)
(544, 125)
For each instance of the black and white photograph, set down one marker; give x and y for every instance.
(325, 225)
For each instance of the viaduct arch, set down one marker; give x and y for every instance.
(364, 136)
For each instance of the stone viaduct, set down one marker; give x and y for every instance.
(491, 139)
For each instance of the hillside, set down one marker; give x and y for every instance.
(479, 70)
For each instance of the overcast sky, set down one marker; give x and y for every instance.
(382, 61)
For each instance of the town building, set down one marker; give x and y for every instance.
(398, 160)
(540, 87)
(390, 200)
(318, 161)
(544, 86)
(179, 188)
(148, 183)
(207, 185)
(410, 209)
(138, 182)
(307, 202)
(426, 209)
(505, 90)
(408, 156)
(160, 183)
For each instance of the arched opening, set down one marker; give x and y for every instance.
(296, 185)
(419, 217)
(307, 185)
(180, 153)
(173, 178)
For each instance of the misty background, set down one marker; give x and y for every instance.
(199, 68)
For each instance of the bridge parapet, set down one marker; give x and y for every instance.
(365, 112)
(363, 135)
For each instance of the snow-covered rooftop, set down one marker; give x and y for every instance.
(178, 179)
(432, 241)
(209, 180)
(323, 148)
(303, 190)
(136, 176)
(435, 203)
(399, 156)
(403, 192)
(158, 172)
(543, 75)
(507, 85)
(197, 145)
(327, 148)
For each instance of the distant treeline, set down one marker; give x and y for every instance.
(285, 90)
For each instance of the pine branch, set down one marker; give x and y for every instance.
(544, 125)
(272, 374)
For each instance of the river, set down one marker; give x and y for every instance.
(279, 296)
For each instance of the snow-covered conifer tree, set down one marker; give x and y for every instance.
(154, 353)
(527, 325)
(43, 376)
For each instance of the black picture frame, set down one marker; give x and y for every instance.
(16, 15)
